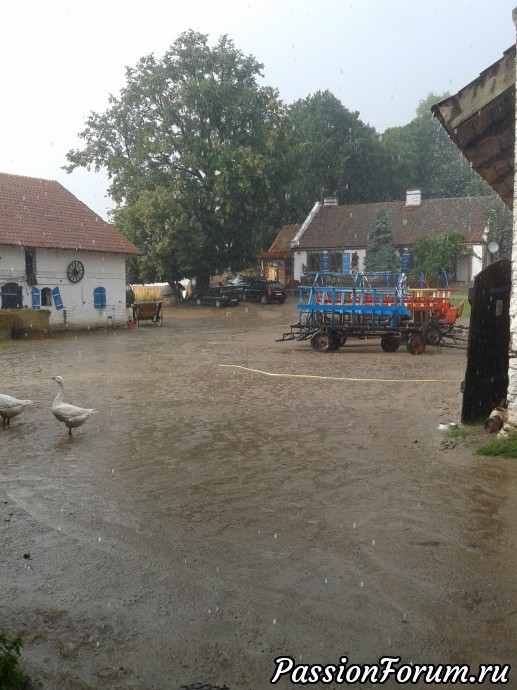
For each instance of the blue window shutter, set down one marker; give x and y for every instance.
(36, 298)
(58, 302)
(99, 298)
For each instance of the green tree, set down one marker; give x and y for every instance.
(333, 152)
(380, 252)
(171, 240)
(436, 254)
(421, 155)
(196, 124)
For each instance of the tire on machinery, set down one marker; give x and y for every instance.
(322, 341)
(432, 335)
(415, 344)
(390, 343)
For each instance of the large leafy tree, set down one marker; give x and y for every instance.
(332, 152)
(196, 126)
(380, 252)
(421, 155)
(172, 240)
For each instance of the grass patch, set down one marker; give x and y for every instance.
(457, 433)
(11, 676)
(505, 447)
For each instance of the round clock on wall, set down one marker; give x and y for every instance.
(75, 271)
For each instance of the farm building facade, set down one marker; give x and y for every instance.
(335, 237)
(58, 255)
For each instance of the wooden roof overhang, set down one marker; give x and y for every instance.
(480, 120)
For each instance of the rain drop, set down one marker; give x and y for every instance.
(274, 621)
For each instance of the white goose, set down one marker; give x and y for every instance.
(11, 407)
(71, 415)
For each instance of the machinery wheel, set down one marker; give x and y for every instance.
(432, 335)
(390, 343)
(415, 344)
(341, 337)
(335, 340)
(321, 341)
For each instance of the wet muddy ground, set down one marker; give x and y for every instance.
(212, 517)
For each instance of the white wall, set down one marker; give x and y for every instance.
(299, 260)
(100, 270)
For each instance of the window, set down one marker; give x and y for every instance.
(46, 297)
(99, 298)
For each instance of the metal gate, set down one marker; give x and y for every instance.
(486, 376)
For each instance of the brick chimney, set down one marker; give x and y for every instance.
(413, 197)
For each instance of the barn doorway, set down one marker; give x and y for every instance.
(486, 376)
(11, 296)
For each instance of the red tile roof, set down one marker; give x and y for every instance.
(281, 246)
(347, 227)
(42, 213)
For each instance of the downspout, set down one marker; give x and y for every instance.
(511, 425)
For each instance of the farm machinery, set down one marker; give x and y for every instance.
(330, 311)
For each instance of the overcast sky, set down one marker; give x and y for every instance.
(62, 58)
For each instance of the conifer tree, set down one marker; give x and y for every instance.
(381, 254)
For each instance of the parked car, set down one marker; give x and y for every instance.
(264, 291)
(218, 296)
(257, 288)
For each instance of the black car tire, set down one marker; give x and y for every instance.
(263, 299)
(218, 303)
(198, 301)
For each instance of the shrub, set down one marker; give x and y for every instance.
(11, 676)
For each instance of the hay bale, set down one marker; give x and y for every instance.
(24, 323)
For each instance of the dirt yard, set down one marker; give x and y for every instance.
(237, 499)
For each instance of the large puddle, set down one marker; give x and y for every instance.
(211, 518)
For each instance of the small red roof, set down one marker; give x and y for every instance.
(42, 213)
(281, 246)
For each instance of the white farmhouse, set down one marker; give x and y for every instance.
(57, 254)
